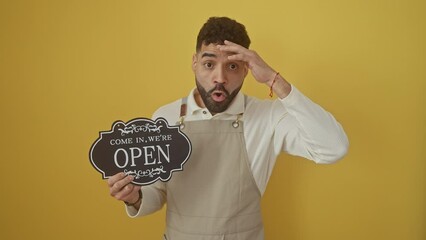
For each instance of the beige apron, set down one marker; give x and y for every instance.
(215, 196)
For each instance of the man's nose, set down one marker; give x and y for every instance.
(220, 76)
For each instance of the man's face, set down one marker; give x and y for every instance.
(218, 79)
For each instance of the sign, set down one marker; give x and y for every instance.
(149, 150)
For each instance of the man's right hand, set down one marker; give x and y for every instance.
(121, 188)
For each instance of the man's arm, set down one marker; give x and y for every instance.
(300, 126)
(308, 130)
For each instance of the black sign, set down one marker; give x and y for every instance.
(149, 150)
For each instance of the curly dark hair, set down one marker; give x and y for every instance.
(218, 29)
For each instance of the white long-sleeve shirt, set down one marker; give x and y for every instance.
(294, 124)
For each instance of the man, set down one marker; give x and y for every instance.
(235, 141)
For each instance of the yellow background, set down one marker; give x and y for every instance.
(69, 69)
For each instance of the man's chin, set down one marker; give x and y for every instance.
(217, 107)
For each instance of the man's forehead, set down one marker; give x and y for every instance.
(211, 50)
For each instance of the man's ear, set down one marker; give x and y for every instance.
(194, 61)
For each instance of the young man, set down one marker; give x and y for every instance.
(235, 141)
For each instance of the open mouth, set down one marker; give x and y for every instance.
(218, 96)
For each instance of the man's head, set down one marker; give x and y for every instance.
(219, 79)
(218, 29)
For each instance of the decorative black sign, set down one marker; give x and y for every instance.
(149, 150)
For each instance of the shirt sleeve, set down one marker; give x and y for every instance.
(153, 199)
(307, 130)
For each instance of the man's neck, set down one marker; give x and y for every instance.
(198, 99)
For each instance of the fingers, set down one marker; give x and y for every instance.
(260, 70)
(120, 187)
(112, 180)
(240, 53)
(232, 47)
(128, 193)
(238, 57)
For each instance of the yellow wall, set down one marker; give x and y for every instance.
(70, 68)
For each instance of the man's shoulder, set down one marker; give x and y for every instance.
(254, 102)
(170, 106)
(255, 107)
(170, 111)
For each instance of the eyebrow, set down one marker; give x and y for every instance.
(208, 55)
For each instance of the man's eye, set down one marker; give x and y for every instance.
(208, 65)
(233, 66)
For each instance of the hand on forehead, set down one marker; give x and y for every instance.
(213, 50)
(236, 52)
(229, 46)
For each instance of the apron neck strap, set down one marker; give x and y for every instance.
(183, 108)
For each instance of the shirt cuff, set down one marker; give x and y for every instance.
(150, 203)
(292, 97)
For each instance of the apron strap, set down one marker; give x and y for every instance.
(183, 107)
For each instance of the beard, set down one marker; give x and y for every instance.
(213, 106)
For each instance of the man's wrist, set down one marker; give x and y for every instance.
(137, 202)
(279, 86)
